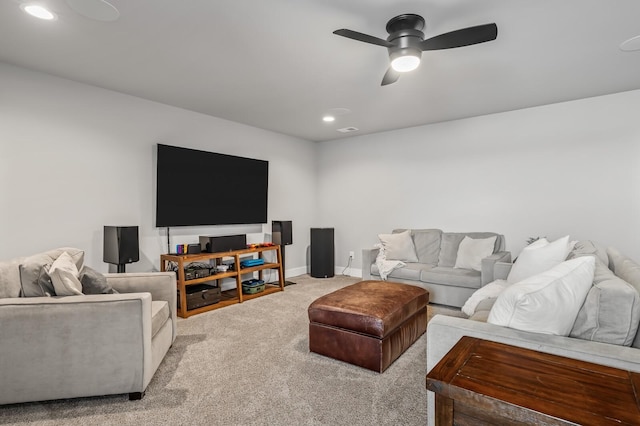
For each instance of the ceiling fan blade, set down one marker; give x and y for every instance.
(463, 37)
(391, 76)
(362, 37)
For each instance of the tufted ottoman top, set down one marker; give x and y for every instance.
(374, 308)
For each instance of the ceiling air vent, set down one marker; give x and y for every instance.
(348, 129)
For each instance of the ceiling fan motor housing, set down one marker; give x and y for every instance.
(405, 33)
(405, 42)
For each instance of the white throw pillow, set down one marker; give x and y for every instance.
(538, 257)
(489, 291)
(548, 302)
(471, 252)
(399, 246)
(64, 276)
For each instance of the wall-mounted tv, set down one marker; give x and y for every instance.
(206, 188)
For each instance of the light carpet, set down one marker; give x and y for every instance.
(249, 364)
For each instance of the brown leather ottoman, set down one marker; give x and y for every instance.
(369, 324)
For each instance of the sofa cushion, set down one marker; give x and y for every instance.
(10, 278)
(427, 244)
(629, 271)
(399, 246)
(34, 276)
(451, 241)
(64, 276)
(471, 252)
(411, 271)
(451, 276)
(538, 257)
(582, 248)
(611, 311)
(160, 313)
(548, 302)
(93, 282)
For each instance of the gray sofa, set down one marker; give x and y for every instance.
(83, 345)
(443, 332)
(436, 252)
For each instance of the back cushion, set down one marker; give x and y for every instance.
(629, 271)
(34, 271)
(587, 247)
(427, 242)
(10, 278)
(451, 241)
(611, 311)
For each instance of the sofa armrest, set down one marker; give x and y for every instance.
(369, 256)
(443, 332)
(487, 265)
(73, 346)
(501, 270)
(161, 285)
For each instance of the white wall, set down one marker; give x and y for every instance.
(74, 158)
(570, 168)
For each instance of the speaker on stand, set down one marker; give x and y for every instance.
(322, 253)
(282, 235)
(120, 246)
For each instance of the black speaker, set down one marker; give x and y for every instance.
(322, 253)
(223, 243)
(281, 232)
(120, 245)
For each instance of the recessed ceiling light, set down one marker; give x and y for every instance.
(328, 118)
(38, 11)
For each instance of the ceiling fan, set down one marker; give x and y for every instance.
(406, 42)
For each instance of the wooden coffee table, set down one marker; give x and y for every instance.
(481, 382)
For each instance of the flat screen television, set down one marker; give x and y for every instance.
(206, 188)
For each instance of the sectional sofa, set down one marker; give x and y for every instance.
(605, 331)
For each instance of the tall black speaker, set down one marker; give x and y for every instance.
(282, 235)
(322, 253)
(120, 245)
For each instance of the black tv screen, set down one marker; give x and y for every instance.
(206, 188)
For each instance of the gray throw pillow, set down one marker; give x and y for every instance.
(34, 271)
(34, 277)
(93, 282)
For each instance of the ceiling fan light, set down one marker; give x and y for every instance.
(405, 63)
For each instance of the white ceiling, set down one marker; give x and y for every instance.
(275, 64)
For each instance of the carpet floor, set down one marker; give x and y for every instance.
(249, 364)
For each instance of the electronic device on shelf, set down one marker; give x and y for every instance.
(195, 273)
(247, 263)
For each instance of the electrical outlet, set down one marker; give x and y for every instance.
(352, 255)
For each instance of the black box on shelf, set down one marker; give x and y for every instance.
(223, 243)
(200, 295)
